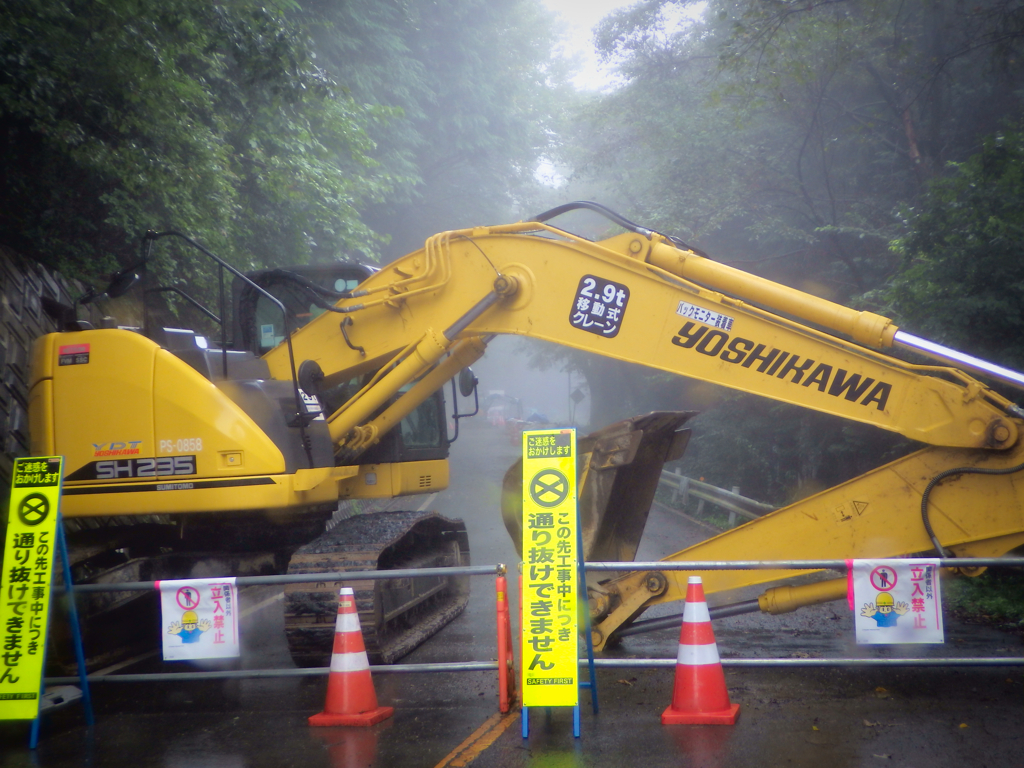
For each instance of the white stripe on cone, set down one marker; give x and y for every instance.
(696, 613)
(698, 655)
(349, 662)
(347, 622)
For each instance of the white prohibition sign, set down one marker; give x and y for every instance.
(187, 598)
(883, 578)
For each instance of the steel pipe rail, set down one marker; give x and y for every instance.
(236, 674)
(488, 666)
(306, 578)
(790, 565)
(500, 569)
(991, 661)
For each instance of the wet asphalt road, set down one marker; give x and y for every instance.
(923, 718)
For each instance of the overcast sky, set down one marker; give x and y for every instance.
(580, 18)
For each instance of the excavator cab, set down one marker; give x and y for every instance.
(259, 327)
(185, 456)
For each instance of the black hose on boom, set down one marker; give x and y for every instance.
(942, 551)
(615, 218)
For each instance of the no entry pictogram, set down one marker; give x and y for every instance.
(188, 598)
(34, 509)
(549, 488)
(883, 578)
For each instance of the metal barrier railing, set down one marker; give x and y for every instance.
(731, 501)
(499, 571)
(237, 674)
(991, 661)
(304, 578)
(504, 663)
(667, 622)
(789, 565)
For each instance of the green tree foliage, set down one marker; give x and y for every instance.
(478, 95)
(961, 281)
(783, 128)
(780, 453)
(208, 118)
(783, 136)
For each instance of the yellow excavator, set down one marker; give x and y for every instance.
(269, 434)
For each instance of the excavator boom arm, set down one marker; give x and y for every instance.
(641, 298)
(629, 298)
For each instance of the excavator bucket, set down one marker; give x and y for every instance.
(617, 475)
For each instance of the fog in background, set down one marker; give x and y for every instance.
(505, 367)
(864, 151)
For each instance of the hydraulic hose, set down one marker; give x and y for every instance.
(612, 216)
(939, 549)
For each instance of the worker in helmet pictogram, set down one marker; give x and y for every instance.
(190, 628)
(885, 611)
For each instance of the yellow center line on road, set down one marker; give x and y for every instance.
(479, 740)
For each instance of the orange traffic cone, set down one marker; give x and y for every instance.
(700, 696)
(351, 699)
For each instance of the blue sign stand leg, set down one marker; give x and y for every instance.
(76, 640)
(76, 631)
(591, 682)
(524, 719)
(33, 736)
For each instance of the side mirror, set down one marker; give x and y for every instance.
(88, 297)
(311, 378)
(467, 387)
(121, 283)
(467, 382)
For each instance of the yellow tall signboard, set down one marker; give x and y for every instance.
(550, 649)
(29, 547)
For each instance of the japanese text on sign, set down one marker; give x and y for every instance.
(548, 446)
(706, 316)
(896, 601)
(200, 619)
(549, 629)
(26, 584)
(599, 306)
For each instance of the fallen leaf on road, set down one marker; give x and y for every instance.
(624, 682)
(964, 725)
(883, 757)
(881, 692)
(814, 727)
(800, 655)
(869, 724)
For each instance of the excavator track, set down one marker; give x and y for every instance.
(114, 550)
(396, 615)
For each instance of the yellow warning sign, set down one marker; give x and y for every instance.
(550, 648)
(29, 546)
